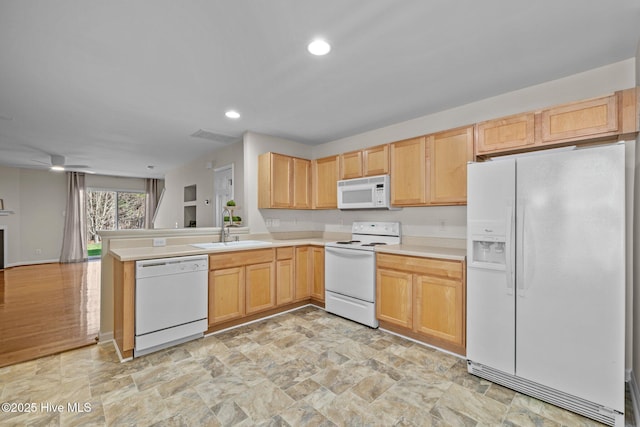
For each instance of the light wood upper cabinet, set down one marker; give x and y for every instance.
(592, 117)
(409, 172)
(610, 116)
(283, 182)
(370, 161)
(275, 181)
(325, 174)
(448, 154)
(505, 133)
(376, 160)
(301, 183)
(351, 165)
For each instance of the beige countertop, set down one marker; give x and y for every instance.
(141, 253)
(454, 254)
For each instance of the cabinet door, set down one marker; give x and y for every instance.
(303, 273)
(260, 287)
(376, 160)
(281, 181)
(394, 297)
(449, 153)
(301, 183)
(351, 165)
(317, 288)
(439, 308)
(284, 281)
(226, 294)
(578, 119)
(409, 172)
(325, 182)
(508, 133)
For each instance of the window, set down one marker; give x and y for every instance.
(112, 210)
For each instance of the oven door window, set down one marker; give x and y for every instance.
(353, 196)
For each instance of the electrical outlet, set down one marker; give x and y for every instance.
(159, 241)
(276, 222)
(442, 225)
(38, 251)
(268, 222)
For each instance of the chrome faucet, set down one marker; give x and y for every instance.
(224, 230)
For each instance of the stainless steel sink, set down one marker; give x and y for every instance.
(233, 244)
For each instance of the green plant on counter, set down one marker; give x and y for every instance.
(235, 218)
(231, 203)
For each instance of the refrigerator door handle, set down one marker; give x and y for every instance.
(508, 251)
(520, 279)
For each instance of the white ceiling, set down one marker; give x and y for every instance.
(120, 85)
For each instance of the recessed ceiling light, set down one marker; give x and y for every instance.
(232, 114)
(319, 47)
(57, 168)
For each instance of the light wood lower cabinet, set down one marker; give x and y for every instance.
(394, 297)
(303, 273)
(226, 294)
(260, 287)
(241, 283)
(309, 281)
(424, 298)
(317, 284)
(285, 277)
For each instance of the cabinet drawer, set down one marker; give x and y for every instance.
(240, 258)
(428, 266)
(284, 253)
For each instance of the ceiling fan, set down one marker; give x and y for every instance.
(57, 163)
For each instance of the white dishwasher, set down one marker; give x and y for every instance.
(171, 302)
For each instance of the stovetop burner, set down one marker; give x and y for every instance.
(374, 244)
(348, 242)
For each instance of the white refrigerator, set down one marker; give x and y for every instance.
(546, 277)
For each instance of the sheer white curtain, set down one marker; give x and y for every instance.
(74, 241)
(151, 188)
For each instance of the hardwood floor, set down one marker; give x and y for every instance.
(48, 308)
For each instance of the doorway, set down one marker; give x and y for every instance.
(222, 191)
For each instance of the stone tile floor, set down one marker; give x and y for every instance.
(303, 368)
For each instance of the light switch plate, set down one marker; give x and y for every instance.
(159, 241)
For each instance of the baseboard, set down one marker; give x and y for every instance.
(635, 397)
(105, 337)
(43, 261)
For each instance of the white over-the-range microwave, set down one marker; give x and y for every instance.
(364, 193)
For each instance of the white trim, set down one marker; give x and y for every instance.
(42, 261)
(5, 252)
(105, 337)
(635, 397)
(423, 343)
(261, 319)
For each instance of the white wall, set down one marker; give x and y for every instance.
(114, 183)
(171, 211)
(38, 198)
(254, 145)
(450, 221)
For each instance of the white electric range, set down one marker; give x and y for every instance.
(350, 270)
